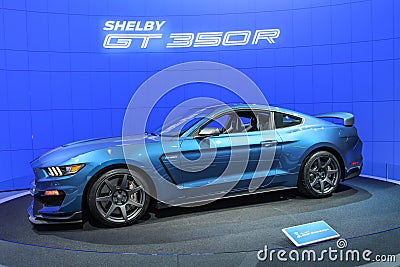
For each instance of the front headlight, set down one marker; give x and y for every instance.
(63, 170)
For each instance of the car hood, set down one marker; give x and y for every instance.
(72, 150)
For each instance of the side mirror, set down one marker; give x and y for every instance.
(209, 131)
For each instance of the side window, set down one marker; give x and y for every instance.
(263, 121)
(259, 121)
(241, 121)
(218, 122)
(246, 120)
(233, 122)
(285, 120)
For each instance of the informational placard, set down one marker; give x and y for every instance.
(310, 233)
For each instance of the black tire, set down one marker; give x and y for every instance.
(118, 198)
(320, 175)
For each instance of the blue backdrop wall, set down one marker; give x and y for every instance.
(59, 84)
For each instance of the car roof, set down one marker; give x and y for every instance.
(222, 107)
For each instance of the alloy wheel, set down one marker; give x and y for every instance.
(120, 198)
(324, 174)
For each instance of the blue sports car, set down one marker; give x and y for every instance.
(207, 154)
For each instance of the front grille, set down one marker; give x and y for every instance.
(37, 205)
(50, 201)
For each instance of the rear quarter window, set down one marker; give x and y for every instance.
(283, 120)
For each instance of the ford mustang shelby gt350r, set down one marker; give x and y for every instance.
(112, 180)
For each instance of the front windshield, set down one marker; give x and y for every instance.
(176, 127)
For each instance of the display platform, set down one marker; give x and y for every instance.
(364, 211)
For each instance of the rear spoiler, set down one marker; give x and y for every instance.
(348, 118)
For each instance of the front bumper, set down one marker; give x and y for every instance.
(60, 209)
(40, 213)
(40, 219)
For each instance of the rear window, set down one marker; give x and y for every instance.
(285, 120)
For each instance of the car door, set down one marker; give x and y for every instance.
(293, 146)
(203, 159)
(265, 147)
(232, 157)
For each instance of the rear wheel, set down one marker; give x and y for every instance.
(118, 197)
(320, 175)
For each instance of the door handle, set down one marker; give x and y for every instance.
(269, 143)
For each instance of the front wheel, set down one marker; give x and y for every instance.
(118, 198)
(320, 175)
